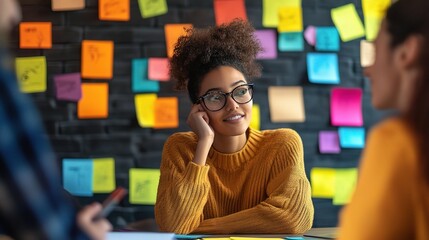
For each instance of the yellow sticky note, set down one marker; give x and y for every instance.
(97, 59)
(372, 26)
(31, 73)
(270, 10)
(103, 176)
(143, 185)
(378, 7)
(67, 5)
(114, 10)
(145, 109)
(166, 112)
(367, 53)
(152, 8)
(286, 104)
(348, 23)
(172, 34)
(345, 184)
(223, 238)
(94, 102)
(35, 35)
(255, 122)
(290, 19)
(323, 182)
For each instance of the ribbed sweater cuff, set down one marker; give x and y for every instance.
(196, 173)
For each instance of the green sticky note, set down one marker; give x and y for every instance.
(143, 185)
(270, 10)
(31, 73)
(345, 183)
(103, 176)
(348, 23)
(152, 8)
(323, 182)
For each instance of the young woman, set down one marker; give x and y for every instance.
(391, 200)
(224, 177)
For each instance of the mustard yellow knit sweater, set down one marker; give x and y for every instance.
(262, 188)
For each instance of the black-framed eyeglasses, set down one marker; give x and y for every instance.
(216, 100)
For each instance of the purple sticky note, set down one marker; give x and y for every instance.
(268, 40)
(346, 107)
(329, 142)
(310, 35)
(68, 86)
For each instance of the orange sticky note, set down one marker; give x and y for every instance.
(172, 34)
(97, 59)
(227, 10)
(35, 35)
(67, 5)
(94, 102)
(114, 10)
(158, 69)
(166, 112)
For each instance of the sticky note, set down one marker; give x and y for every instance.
(35, 35)
(290, 19)
(152, 8)
(295, 238)
(322, 182)
(373, 12)
(67, 87)
(270, 10)
(97, 59)
(172, 34)
(351, 137)
(31, 73)
(227, 10)
(114, 10)
(310, 35)
(346, 107)
(145, 109)
(378, 7)
(372, 26)
(348, 23)
(367, 53)
(327, 39)
(77, 176)
(345, 184)
(67, 5)
(143, 185)
(286, 104)
(291, 41)
(166, 112)
(254, 238)
(255, 122)
(103, 176)
(329, 142)
(139, 77)
(94, 102)
(159, 69)
(268, 40)
(323, 68)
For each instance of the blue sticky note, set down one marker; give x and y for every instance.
(291, 41)
(323, 68)
(295, 238)
(77, 176)
(327, 39)
(139, 77)
(189, 236)
(352, 137)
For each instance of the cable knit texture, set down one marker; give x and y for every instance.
(262, 188)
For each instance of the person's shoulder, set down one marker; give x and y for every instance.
(393, 129)
(281, 135)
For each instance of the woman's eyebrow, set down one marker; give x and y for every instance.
(232, 85)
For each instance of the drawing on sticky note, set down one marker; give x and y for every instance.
(94, 53)
(35, 35)
(31, 74)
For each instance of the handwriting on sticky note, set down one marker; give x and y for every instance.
(67, 5)
(351, 137)
(327, 39)
(143, 185)
(270, 10)
(172, 34)
(348, 23)
(77, 176)
(145, 109)
(114, 10)
(322, 182)
(291, 41)
(166, 112)
(104, 180)
(31, 73)
(329, 142)
(158, 69)
(97, 59)
(323, 68)
(346, 107)
(227, 10)
(152, 8)
(139, 77)
(367, 53)
(290, 19)
(286, 104)
(67, 86)
(268, 41)
(35, 35)
(345, 184)
(94, 102)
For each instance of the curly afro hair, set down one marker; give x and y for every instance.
(202, 50)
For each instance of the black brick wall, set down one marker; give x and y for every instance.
(120, 136)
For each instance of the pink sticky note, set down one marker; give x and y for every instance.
(268, 41)
(346, 107)
(310, 35)
(158, 69)
(68, 86)
(329, 142)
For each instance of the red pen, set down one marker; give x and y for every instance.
(109, 204)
